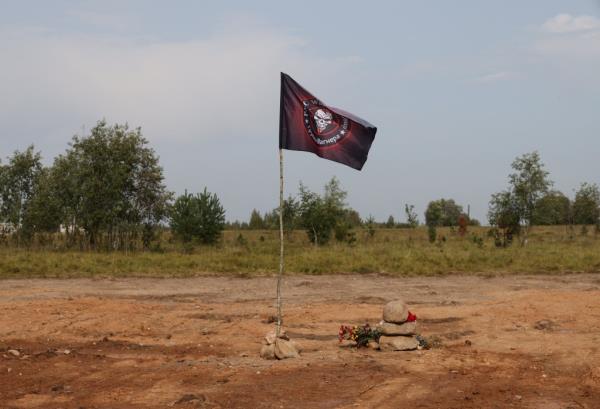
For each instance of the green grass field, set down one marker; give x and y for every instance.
(391, 251)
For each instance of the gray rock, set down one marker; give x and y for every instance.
(407, 328)
(398, 343)
(14, 352)
(285, 349)
(395, 312)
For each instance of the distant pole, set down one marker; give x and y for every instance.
(280, 275)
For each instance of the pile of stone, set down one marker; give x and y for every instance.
(398, 328)
(281, 347)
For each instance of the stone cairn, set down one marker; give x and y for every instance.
(398, 332)
(281, 347)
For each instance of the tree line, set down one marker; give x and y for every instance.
(530, 200)
(107, 191)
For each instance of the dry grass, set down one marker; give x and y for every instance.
(390, 251)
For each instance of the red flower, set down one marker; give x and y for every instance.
(411, 317)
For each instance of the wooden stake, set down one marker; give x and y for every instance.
(280, 275)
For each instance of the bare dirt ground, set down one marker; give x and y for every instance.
(159, 343)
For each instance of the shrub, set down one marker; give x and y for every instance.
(199, 217)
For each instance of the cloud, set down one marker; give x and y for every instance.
(568, 39)
(221, 86)
(566, 23)
(495, 77)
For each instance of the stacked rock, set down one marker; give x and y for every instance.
(279, 347)
(398, 328)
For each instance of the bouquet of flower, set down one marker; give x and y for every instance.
(359, 334)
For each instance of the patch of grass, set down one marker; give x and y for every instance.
(389, 251)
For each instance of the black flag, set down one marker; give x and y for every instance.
(307, 124)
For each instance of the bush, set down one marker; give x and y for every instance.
(504, 215)
(586, 206)
(443, 212)
(320, 215)
(199, 217)
(370, 227)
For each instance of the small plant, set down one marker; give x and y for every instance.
(370, 227)
(241, 241)
(430, 342)
(343, 232)
(411, 216)
(351, 238)
(477, 240)
(359, 334)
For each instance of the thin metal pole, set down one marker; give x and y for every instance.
(280, 275)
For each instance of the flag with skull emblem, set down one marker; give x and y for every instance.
(307, 124)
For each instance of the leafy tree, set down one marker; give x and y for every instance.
(44, 213)
(184, 219)
(110, 183)
(586, 206)
(316, 216)
(433, 217)
(334, 193)
(433, 214)
(529, 183)
(271, 219)
(17, 184)
(319, 215)
(411, 216)
(443, 212)
(554, 208)
(290, 213)
(504, 213)
(19, 179)
(199, 217)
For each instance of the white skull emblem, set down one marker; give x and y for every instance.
(322, 119)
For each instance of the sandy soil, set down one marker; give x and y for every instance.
(194, 343)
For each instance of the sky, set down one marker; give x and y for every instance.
(457, 90)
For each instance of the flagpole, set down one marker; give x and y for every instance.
(280, 275)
